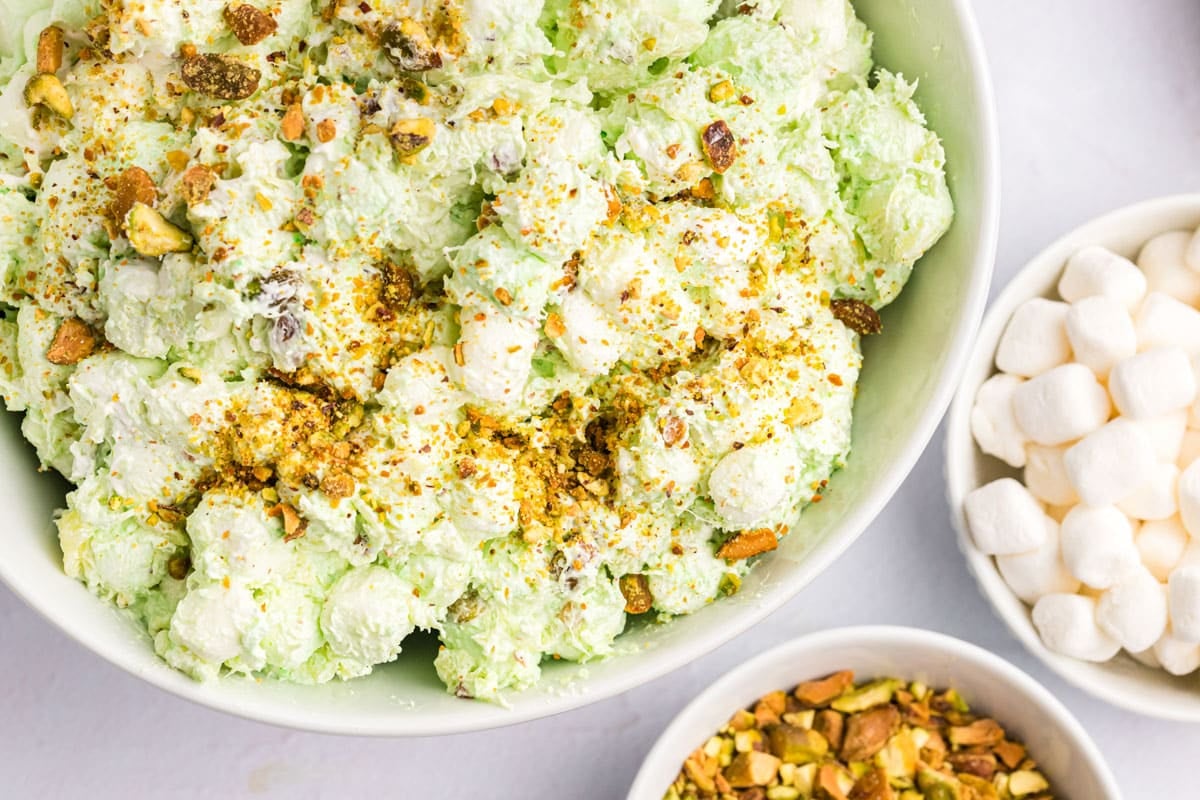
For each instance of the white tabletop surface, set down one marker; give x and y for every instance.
(1099, 105)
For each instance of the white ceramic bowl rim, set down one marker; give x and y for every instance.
(233, 697)
(879, 637)
(1121, 682)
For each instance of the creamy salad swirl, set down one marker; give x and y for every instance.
(505, 320)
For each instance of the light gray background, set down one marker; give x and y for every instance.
(1099, 105)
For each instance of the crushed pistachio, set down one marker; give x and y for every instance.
(890, 741)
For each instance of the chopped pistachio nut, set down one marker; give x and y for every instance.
(220, 76)
(857, 316)
(134, 185)
(249, 24)
(47, 90)
(411, 136)
(407, 45)
(900, 743)
(151, 234)
(748, 543)
(867, 696)
(73, 342)
(720, 146)
(636, 589)
(50, 50)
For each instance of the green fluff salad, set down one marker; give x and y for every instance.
(508, 321)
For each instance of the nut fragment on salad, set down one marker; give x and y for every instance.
(830, 739)
(495, 320)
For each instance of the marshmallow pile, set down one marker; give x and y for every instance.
(1096, 401)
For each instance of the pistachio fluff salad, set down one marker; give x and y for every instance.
(504, 319)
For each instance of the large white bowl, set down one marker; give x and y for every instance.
(1122, 681)
(910, 375)
(990, 684)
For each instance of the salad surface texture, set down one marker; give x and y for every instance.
(506, 320)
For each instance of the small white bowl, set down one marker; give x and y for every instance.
(1123, 681)
(1063, 750)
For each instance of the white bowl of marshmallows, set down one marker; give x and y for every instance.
(1073, 457)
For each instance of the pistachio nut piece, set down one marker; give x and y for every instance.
(47, 90)
(151, 234)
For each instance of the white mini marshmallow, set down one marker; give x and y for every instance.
(993, 424)
(1067, 625)
(1177, 656)
(1155, 499)
(1147, 658)
(1058, 513)
(1095, 271)
(1189, 498)
(1106, 466)
(1101, 333)
(1153, 383)
(1035, 339)
(1046, 475)
(1164, 262)
(1097, 545)
(1038, 572)
(1061, 405)
(497, 354)
(1163, 320)
(1134, 610)
(1193, 412)
(1191, 555)
(1160, 544)
(1005, 518)
(1192, 256)
(1165, 434)
(1189, 450)
(1183, 598)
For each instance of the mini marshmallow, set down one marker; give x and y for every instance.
(1101, 333)
(1189, 449)
(1147, 658)
(1097, 545)
(1106, 466)
(1160, 544)
(1005, 518)
(1058, 513)
(1183, 599)
(1067, 625)
(1046, 475)
(1163, 321)
(1061, 405)
(1193, 412)
(992, 422)
(1192, 256)
(1177, 656)
(1155, 499)
(1191, 555)
(1134, 610)
(1096, 271)
(1165, 434)
(1164, 262)
(1189, 498)
(1035, 339)
(1038, 572)
(1153, 383)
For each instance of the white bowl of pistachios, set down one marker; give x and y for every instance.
(875, 712)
